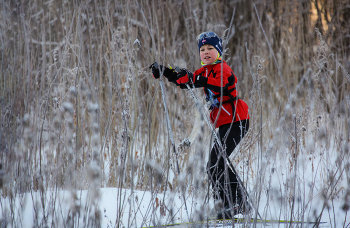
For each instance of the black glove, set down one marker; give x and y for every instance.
(184, 76)
(181, 73)
(156, 69)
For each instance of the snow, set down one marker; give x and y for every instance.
(282, 188)
(308, 181)
(141, 208)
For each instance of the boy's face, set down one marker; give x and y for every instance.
(208, 54)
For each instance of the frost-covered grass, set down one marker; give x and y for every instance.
(84, 138)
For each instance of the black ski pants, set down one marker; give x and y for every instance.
(225, 181)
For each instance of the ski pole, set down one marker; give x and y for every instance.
(170, 132)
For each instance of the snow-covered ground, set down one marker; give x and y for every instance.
(141, 209)
(283, 188)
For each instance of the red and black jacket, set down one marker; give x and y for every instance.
(209, 77)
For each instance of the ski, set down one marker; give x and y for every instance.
(230, 222)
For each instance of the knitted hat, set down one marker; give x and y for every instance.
(210, 38)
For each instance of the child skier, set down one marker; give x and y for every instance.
(231, 118)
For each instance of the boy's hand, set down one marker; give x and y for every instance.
(184, 77)
(155, 70)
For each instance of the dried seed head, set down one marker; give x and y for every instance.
(57, 124)
(346, 148)
(52, 137)
(218, 205)
(322, 133)
(73, 90)
(182, 181)
(95, 128)
(156, 168)
(83, 86)
(67, 107)
(346, 206)
(137, 43)
(342, 108)
(55, 54)
(26, 120)
(93, 107)
(70, 122)
(93, 172)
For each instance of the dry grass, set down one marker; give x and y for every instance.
(80, 109)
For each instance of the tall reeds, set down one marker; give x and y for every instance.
(80, 109)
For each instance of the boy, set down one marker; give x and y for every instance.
(232, 120)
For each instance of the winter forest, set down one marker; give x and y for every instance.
(88, 138)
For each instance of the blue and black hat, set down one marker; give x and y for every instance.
(210, 38)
